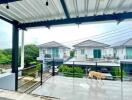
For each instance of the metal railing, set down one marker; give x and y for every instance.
(112, 71)
(30, 79)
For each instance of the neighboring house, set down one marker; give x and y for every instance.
(90, 49)
(123, 49)
(54, 50)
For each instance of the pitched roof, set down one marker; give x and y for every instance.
(126, 43)
(90, 43)
(52, 44)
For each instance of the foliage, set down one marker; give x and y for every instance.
(70, 71)
(31, 54)
(30, 72)
(36, 64)
(116, 71)
(5, 57)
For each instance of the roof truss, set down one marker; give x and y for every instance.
(119, 16)
(65, 8)
(7, 1)
(109, 17)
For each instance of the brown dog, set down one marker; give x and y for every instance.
(98, 75)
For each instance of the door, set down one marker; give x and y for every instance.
(97, 53)
(55, 52)
(129, 53)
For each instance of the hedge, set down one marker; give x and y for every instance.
(71, 72)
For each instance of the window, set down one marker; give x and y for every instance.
(82, 51)
(48, 51)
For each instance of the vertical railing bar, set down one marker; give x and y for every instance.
(53, 67)
(121, 65)
(41, 72)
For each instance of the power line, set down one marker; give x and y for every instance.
(103, 34)
(114, 35)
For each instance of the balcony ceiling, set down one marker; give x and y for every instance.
(26, 12)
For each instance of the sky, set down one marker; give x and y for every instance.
(69, 35)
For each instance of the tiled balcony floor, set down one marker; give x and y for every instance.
(68, 88)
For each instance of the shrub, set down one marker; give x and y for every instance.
(30, 72)
(116, 71)
(70, 71)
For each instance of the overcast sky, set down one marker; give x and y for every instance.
(109, 32)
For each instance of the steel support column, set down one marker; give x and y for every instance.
(15, 49)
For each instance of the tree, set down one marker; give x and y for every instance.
(31, 53)
(5, 58)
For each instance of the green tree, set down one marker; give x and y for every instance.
(31, 53)
(5, 58)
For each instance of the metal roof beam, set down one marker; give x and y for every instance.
(7, 1)
(7, 20)
(79, 20)
(65, 8)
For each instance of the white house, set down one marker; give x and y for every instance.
(90, 49)
(54, 50)
(123, 49)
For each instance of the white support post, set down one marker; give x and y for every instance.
(22, 50)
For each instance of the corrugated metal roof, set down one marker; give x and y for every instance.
(90, 43)
(52, 44)
(26, 11)
(124, 43)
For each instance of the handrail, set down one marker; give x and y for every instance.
(26, 68)
(40, 81)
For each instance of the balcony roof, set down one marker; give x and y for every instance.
(33, 13)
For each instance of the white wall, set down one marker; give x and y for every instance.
(7, 81)
(121, 53)
(109, 52)
(88, 52)
(62, 51)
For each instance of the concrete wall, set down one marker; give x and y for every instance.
(7, 81)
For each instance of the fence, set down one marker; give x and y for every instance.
(30, 78)
(112, 70)
(27, 81)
